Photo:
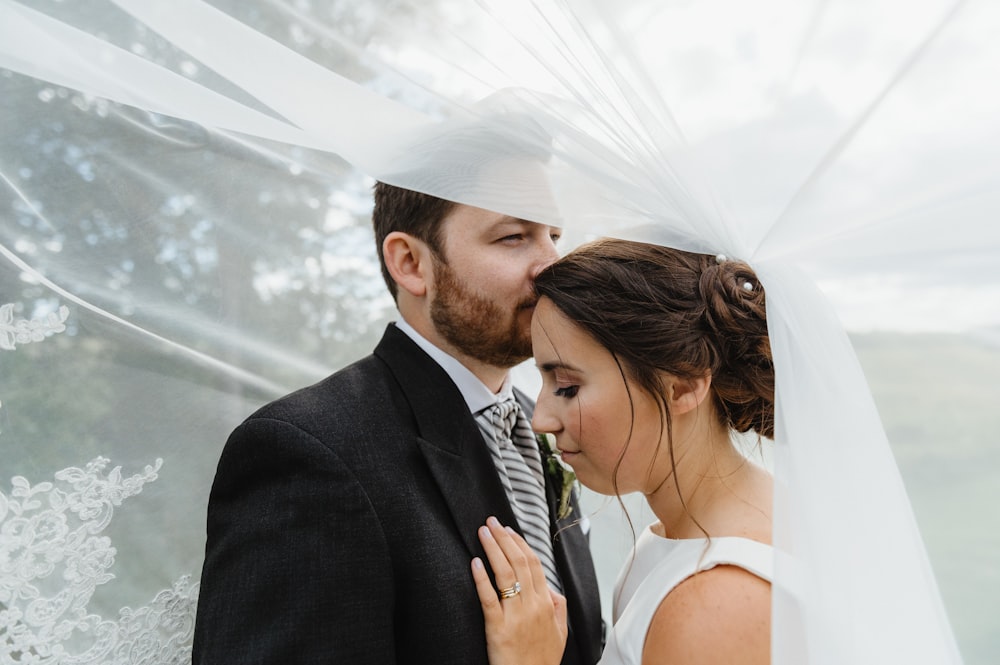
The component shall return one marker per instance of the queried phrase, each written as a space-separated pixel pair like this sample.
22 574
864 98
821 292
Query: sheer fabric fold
189 181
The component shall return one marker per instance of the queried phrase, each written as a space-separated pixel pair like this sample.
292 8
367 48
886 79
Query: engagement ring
511 591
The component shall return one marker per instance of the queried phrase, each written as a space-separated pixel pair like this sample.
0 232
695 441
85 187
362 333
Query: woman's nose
543 421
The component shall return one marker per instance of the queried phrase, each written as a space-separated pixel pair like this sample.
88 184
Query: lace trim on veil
53 557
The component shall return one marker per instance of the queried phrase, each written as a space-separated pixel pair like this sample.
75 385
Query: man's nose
547 255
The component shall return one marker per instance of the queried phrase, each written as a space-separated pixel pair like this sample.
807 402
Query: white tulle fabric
761 130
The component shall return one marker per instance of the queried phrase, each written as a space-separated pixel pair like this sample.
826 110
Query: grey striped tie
515 455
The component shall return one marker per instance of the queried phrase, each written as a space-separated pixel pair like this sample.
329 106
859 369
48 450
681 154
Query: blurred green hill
939 399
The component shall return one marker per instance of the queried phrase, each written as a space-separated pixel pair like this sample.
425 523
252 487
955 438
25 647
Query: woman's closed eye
566 391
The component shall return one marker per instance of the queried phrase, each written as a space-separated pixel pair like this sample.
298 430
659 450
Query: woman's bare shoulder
721 615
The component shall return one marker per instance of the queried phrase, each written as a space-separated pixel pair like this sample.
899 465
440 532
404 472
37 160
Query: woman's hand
527 626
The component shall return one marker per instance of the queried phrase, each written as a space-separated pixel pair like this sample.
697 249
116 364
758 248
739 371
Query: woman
652 358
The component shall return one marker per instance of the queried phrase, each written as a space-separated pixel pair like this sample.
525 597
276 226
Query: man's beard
478 327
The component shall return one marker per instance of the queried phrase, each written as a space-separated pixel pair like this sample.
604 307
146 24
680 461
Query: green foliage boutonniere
561 475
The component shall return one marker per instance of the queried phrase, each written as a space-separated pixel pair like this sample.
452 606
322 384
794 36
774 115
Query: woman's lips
567 455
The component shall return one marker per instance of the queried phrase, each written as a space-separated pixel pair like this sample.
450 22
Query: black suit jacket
343 520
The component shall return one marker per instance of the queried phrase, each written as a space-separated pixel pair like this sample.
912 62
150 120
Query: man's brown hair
419 215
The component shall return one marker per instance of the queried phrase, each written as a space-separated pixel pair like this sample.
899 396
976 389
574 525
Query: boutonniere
561 475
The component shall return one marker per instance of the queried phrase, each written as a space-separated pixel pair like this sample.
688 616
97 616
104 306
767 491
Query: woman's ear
408 261
687 394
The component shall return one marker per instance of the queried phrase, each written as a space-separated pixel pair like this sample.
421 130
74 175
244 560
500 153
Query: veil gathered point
185 190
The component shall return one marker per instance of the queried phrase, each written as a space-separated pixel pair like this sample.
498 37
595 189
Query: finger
559 602
517 558
488 599
535 571
502 570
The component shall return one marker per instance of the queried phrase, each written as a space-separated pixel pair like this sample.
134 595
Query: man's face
482 297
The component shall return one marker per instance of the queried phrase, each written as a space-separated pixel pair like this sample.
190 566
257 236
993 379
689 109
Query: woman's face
584 402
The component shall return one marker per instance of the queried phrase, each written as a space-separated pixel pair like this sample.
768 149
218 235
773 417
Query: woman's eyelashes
566 391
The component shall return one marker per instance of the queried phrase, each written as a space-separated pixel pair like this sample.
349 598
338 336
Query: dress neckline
649 529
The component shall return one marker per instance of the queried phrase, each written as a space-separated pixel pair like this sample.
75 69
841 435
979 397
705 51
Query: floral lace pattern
24 331
52 559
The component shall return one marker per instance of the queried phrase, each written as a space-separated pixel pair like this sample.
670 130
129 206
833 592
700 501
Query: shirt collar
477 395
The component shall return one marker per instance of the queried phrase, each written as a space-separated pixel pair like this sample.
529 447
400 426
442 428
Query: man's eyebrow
508 219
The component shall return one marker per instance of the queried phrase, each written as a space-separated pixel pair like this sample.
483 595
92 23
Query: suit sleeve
296 566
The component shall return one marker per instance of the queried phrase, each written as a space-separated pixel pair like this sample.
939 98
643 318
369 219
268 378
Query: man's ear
408 261
687 394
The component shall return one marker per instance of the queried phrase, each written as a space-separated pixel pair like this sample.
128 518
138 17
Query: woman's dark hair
660 310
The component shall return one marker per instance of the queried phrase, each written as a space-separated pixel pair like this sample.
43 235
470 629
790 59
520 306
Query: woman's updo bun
736 320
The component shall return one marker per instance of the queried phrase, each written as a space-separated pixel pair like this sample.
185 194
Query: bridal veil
184 188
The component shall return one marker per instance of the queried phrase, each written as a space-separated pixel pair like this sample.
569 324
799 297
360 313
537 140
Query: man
343 517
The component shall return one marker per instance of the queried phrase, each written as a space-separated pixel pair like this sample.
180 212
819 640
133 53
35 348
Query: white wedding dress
184 193
657 565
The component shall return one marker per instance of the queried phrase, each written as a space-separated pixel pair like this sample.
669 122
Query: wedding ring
511 591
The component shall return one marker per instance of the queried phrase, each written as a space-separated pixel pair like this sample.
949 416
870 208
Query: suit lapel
448 438
460 463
